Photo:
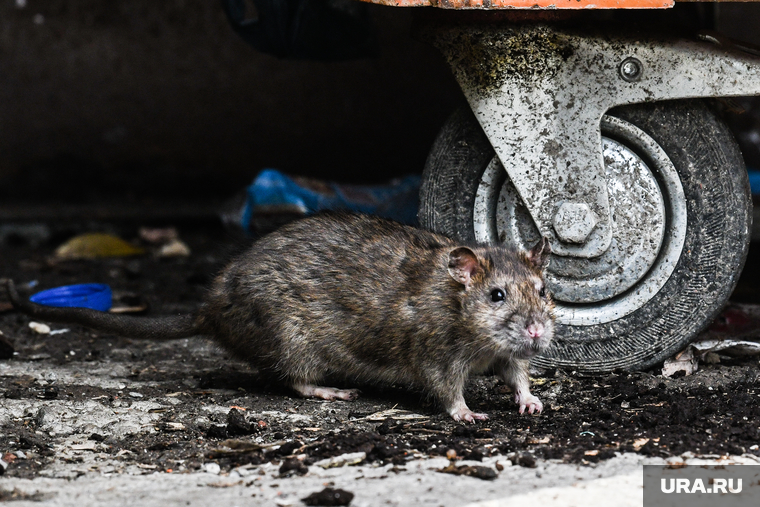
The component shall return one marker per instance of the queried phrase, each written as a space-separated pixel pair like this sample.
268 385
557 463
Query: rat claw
326 393
531 403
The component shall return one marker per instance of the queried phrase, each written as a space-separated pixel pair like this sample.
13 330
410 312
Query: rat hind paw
326 393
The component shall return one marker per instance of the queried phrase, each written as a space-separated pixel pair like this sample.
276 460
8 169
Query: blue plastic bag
273 191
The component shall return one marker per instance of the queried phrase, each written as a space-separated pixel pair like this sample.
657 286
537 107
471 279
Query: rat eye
542 292
497 295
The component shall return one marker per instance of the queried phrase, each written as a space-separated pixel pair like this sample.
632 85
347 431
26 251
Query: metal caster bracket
540 92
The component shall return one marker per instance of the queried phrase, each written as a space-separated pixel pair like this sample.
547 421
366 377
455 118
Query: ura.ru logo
716 485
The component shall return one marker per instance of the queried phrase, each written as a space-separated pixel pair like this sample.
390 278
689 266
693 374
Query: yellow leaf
96 245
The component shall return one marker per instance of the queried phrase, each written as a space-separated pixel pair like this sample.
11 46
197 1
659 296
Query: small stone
237 425
40 328
329 496
212 468
175 248
293 466
526 460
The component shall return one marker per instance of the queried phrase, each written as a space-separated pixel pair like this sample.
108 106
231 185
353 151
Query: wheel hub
648 212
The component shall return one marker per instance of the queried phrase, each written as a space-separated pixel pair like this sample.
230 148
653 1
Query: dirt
115 404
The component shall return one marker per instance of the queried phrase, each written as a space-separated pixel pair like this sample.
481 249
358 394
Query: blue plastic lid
96 296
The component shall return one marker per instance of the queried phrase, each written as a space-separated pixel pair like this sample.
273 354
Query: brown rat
366 300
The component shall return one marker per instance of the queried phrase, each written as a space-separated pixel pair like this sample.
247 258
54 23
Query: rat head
504 297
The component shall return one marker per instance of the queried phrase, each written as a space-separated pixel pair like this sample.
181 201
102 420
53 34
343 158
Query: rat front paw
529 402
465 414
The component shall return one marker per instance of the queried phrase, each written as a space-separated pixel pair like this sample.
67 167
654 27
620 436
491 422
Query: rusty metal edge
531 4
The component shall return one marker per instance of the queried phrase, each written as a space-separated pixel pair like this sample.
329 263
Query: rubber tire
719 215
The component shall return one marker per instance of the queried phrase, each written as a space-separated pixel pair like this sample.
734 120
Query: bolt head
574 222
630 69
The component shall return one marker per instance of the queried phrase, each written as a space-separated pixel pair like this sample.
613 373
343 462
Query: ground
89 417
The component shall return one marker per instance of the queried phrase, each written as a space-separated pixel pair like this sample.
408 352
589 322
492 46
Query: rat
365 300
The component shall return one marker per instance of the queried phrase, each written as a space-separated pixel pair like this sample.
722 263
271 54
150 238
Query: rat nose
535 330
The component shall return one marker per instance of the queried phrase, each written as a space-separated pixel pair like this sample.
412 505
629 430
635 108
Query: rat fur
364 299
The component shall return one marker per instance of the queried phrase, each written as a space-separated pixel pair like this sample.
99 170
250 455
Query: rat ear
463 265
539 254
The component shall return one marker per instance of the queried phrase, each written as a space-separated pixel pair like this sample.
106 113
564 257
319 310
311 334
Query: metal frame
540 92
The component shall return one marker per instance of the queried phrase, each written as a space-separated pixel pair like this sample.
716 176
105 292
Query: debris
727 345
127 302
524 459
242 446
94 246
224 484
217 431
171 426
353 458
237 425
96 296
50 393
392 413
87 446
735 332
3 466
158 235
286 501
40 328
480 472
212 468
59 331
168 240
293 466
272 192
17 494
639 443
175 248
684 361
329 496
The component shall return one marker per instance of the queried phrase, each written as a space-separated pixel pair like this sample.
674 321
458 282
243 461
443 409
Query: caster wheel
681 215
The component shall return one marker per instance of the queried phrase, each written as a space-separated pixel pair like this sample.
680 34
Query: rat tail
156 328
